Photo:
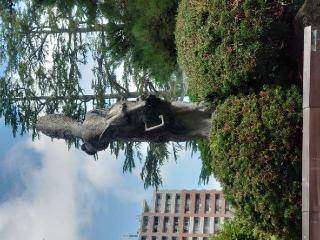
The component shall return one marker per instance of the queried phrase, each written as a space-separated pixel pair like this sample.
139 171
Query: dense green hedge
240 229
255 150
226 47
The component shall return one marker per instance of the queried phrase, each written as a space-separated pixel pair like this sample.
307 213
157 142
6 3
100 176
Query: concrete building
183 215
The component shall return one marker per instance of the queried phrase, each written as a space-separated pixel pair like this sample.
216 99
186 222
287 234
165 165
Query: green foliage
44 44
255 148
206 170
141 32
20 116
89 8
234 48
157 153
153 37
31 85
239 229
227 47
7 5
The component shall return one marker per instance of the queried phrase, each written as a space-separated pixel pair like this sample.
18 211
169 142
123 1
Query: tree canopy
44 46
45 43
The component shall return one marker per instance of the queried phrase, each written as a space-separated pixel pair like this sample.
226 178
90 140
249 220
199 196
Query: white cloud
61 194
61 190
46 209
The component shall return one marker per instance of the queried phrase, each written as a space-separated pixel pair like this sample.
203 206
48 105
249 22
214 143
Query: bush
226 47
255 148
239 229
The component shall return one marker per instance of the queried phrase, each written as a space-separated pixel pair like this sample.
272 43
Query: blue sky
50 192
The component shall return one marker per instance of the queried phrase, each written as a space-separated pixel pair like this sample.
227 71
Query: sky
48 192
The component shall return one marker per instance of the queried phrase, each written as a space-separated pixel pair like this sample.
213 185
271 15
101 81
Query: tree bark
81 97
49 30
145 120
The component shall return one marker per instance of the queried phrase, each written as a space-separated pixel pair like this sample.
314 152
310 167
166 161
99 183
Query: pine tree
43 46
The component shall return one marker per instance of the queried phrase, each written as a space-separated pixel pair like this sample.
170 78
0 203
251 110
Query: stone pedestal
311 136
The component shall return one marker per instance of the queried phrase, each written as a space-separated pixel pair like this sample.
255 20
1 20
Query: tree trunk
85 98
146 120
49 30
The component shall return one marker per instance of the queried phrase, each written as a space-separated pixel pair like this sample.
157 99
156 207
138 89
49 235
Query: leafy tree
153 37
43 49
141 34
44 44
20 105
43 53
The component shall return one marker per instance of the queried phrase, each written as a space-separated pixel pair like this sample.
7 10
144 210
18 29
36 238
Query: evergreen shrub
240 229
255 150
227 47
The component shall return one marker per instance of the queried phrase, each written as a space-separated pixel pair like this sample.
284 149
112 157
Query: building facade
184 215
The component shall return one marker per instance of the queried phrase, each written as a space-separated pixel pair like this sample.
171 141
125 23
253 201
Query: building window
177 203
164 238
184 238
143 238
188 203
194 238
207 205
197 203
196 224
155 224
158 203
145 207
186 222
216 224
145 221
168 203
174 238
175 224
205 238
206 225
228 206
165 224
217 203
154 238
